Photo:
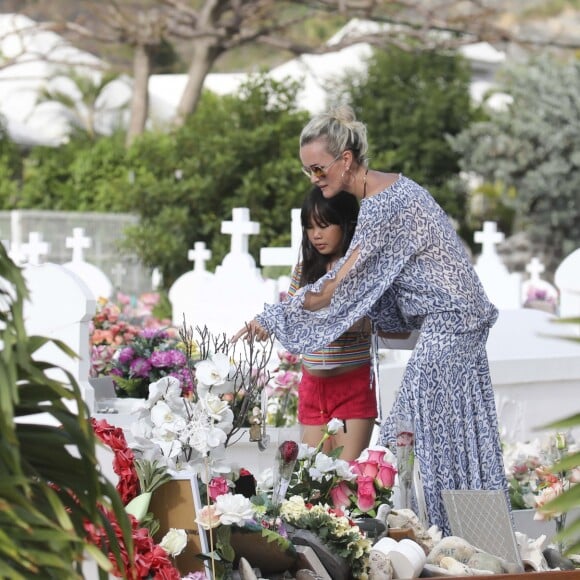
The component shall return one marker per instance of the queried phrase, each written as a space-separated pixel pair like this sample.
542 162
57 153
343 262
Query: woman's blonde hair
341 130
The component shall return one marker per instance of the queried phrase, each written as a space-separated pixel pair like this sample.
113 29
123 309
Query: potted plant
50 486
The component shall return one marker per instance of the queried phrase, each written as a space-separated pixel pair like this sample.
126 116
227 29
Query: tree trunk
140 97
202 62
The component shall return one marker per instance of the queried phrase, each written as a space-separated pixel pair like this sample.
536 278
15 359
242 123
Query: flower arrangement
117 323
534 479
181 433
107 332
375 477
317 474
359 486
337 531
282 390
144 558
151 355
233 507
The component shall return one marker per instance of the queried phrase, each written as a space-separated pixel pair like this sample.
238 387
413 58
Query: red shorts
345 396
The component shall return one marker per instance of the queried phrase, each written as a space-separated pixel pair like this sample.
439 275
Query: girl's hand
252 330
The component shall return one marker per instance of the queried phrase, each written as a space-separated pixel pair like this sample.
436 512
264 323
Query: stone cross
35 248
78 243
488 238
199 255
535 268
240 228
285 256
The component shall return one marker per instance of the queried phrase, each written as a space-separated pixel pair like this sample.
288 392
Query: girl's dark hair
341 210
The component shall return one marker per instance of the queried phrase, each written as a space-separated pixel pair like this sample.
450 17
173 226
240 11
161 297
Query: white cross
240 228
199 256
156 279
35 248
78 243
285 256
535 268
488 238
118 272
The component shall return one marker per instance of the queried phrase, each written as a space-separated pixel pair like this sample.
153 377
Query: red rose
289 451
216 487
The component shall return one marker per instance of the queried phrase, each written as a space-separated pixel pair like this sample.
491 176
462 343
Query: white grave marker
502 288
34 249
225 301
186 292
60 307
285 256
199 256
96 280
567 279
538 293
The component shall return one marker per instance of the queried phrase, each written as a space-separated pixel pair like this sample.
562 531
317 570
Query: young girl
336 380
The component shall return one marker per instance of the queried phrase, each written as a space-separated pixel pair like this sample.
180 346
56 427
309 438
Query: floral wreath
123 461
150 560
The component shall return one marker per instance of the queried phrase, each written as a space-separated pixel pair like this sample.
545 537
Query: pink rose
386 475
366 493
216 487
369 468
355 467
376 455
340 495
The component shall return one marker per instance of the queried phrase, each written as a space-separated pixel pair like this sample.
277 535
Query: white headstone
95 279
187 291
199 256
61 306
285 256
502 288
34 249
535 373
567 279
78 242
225 301
538 293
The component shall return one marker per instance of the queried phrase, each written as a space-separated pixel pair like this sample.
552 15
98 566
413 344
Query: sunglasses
319 171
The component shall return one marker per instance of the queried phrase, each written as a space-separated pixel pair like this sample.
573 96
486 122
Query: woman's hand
252 330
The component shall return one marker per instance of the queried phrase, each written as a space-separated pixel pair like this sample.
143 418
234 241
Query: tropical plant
50 484
413 101
528 151
570 499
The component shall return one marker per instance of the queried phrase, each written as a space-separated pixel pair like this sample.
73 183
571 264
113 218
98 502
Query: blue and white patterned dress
412 272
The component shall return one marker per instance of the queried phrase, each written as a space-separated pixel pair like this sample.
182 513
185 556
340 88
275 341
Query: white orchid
165 388
213 371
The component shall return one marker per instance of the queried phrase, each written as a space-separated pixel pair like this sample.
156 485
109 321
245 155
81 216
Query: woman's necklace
365 183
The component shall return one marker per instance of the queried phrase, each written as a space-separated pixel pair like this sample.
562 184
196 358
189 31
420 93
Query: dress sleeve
386 238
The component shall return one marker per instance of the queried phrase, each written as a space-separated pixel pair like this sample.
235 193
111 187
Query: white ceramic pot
407 559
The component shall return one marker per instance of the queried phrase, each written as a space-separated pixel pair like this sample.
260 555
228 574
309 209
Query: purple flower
161 358
150 333
140 367
126 355
178 358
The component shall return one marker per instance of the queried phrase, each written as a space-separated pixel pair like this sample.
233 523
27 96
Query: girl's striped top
350 349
